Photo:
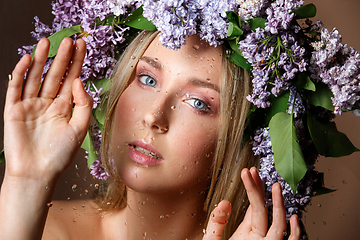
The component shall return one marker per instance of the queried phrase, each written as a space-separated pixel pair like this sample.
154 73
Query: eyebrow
202 83
195 81
151 61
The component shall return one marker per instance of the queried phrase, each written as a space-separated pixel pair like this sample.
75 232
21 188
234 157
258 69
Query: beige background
333 216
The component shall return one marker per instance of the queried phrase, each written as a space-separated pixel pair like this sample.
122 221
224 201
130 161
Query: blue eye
198 104
147 80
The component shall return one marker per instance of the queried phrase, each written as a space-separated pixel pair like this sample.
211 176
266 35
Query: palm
41 133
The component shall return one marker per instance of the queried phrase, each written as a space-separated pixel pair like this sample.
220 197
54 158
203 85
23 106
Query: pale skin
33 167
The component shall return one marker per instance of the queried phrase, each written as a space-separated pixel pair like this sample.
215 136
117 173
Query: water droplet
196 47
74 208
162 216
74 187
10 77
319 205
173 107
49 204
96 185
74 220
132 57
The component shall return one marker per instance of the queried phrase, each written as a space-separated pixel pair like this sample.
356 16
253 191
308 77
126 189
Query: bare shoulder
75 219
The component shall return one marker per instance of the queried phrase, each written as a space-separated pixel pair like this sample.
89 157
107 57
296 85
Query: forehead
196 57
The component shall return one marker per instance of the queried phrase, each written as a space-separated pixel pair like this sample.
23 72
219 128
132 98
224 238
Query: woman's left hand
255 223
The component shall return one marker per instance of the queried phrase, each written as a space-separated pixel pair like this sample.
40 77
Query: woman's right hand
42 135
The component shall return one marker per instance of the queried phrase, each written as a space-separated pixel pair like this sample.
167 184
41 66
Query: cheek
197 143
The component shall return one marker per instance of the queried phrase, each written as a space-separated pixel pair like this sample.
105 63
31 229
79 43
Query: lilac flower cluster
280 15
251 8
118 7
178 19
97 169
275 60
262 146
338 66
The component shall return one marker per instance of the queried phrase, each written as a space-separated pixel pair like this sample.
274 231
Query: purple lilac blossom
178 19
118 7
174 19
260 48
251 8
338 66
280 16
97 169
212 15
262 146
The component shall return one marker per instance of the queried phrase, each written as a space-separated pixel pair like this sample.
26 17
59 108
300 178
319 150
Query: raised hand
255 223
42 135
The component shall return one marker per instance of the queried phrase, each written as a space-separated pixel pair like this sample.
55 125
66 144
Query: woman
167 134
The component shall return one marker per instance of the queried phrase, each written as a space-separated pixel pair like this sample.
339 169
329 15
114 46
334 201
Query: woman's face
166 121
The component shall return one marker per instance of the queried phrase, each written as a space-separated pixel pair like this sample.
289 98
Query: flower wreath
301 73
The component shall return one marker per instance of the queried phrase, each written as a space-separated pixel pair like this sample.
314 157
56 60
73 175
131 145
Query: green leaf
288 157
2 156
321 97
255 23
302 80
104 83
328 141
234 24
240 61
100 112
278 104
88 145
138 21
306 11
57 38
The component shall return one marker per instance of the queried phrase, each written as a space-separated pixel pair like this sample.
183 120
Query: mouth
146 152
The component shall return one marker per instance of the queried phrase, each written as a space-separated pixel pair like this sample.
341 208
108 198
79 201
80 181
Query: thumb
218 220
82 111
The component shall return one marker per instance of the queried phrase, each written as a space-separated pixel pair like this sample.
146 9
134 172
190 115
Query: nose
156 117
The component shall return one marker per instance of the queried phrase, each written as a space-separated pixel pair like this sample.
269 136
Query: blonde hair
230 157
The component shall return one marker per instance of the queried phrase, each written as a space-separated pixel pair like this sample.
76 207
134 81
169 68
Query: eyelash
193 101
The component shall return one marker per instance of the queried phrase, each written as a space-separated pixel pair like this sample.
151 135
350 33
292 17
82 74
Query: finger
294 228
218 220
259 216
255 175
16 79
278 225
82 110
74 69
57 70
33 79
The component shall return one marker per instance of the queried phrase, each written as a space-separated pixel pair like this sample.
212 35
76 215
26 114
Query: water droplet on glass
49 204
319 205
96 185
74 187
196 47
132 57
162 216
68 198
173 107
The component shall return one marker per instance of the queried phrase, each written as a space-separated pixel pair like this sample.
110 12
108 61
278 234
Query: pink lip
141 158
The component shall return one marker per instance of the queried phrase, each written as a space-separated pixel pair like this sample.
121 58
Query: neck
176 215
